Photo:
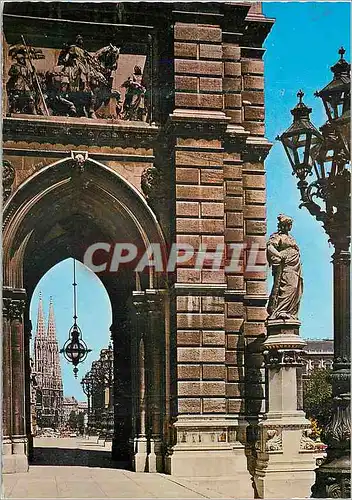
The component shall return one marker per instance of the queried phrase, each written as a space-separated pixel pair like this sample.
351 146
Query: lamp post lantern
325 155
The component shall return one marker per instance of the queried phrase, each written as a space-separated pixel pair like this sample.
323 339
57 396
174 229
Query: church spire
47 367
51 322
40 318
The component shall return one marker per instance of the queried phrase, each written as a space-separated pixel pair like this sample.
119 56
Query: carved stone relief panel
72 81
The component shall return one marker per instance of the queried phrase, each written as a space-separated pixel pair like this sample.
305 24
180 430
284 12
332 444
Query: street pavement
82 468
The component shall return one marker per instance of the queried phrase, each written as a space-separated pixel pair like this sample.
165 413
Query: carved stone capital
154 305
13 308
282 357
8 177
155 185
140 305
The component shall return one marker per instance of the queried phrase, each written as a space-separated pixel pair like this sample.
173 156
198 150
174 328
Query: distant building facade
70 404
47 369
82 407
319 354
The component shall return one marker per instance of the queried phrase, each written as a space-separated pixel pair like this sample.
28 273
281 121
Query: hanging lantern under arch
75 350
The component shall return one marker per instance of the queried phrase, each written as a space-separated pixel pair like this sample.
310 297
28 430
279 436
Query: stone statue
284 257
75 61
81 82
22 87
134 104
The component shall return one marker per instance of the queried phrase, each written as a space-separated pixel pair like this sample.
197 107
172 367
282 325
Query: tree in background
72 420
80 422
317 397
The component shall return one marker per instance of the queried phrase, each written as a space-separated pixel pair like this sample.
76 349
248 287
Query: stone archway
55 214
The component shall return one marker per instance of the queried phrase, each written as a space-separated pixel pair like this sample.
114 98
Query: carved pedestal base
155 457
140 457
286 457
209 447
285 454
14 458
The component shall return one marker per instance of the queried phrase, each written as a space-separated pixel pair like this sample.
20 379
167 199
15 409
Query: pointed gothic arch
89 188
55 214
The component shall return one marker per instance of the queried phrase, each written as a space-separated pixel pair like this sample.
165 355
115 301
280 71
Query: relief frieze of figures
77 86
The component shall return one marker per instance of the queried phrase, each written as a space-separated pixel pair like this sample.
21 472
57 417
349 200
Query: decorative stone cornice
192 123
198 289
256 149
80 131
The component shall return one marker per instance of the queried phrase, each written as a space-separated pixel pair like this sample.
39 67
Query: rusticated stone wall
220 199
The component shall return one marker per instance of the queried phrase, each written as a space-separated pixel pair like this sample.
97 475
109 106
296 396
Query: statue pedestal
286 456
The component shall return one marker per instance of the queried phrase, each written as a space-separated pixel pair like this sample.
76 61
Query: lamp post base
333 479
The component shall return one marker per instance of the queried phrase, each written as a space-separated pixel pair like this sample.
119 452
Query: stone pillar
15 445
140 445
156 379
212 145
204 430
7 381
245 226
120 399
286 456
28 382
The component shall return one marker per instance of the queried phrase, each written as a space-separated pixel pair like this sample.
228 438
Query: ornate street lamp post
325 154
86 384
106 360
97 397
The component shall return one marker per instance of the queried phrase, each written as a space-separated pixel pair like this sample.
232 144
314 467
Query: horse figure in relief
82 81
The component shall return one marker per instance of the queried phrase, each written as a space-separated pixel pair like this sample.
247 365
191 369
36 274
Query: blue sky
94 314
301 47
